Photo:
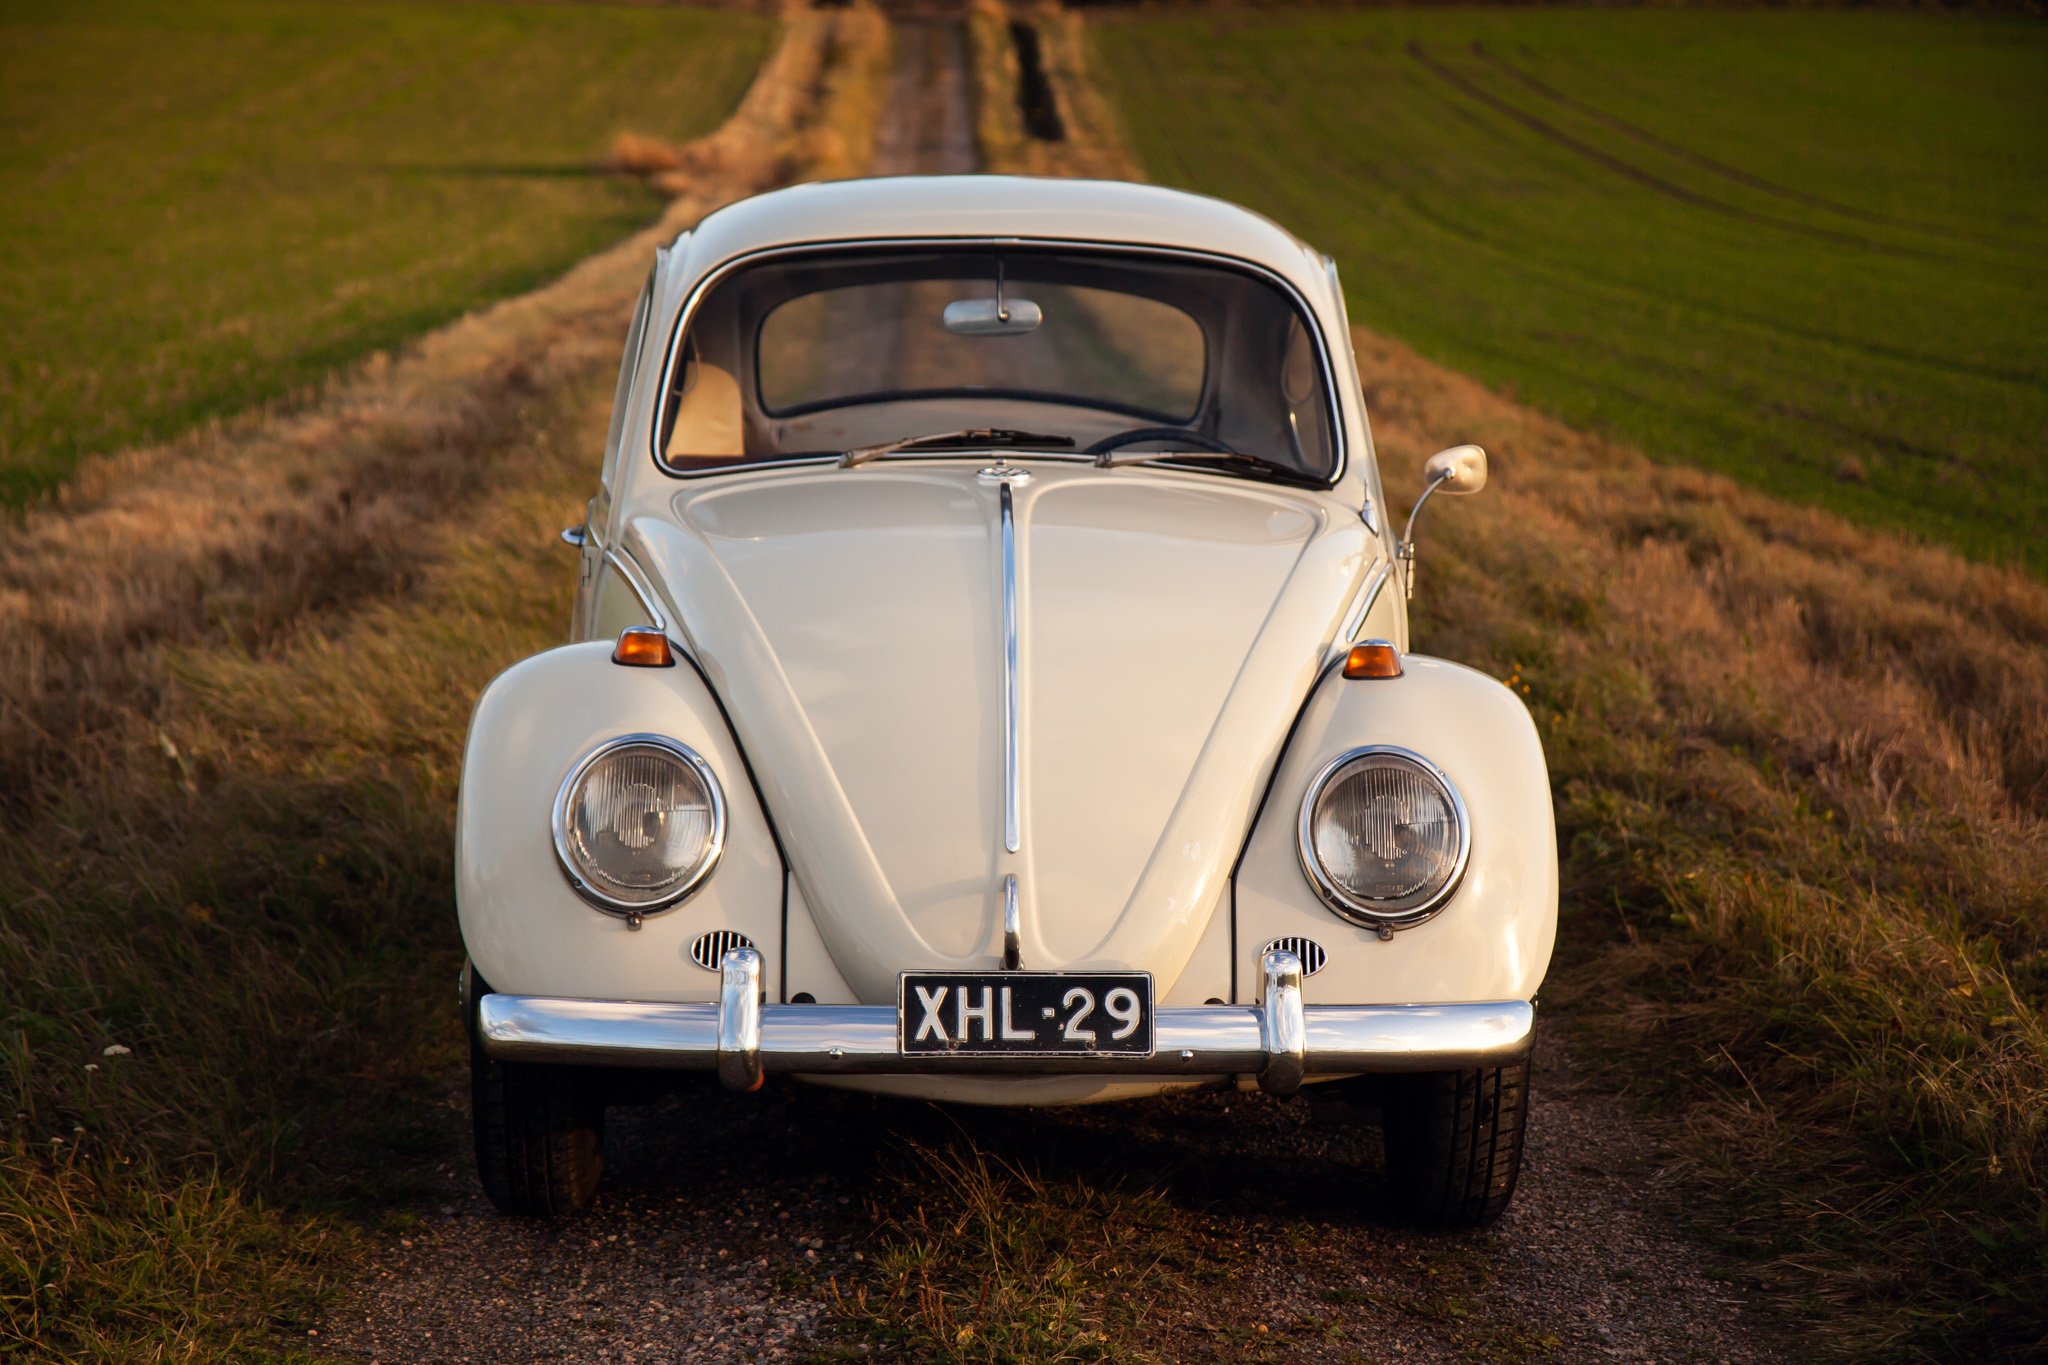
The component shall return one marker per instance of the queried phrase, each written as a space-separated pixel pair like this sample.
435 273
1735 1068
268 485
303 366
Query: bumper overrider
1279 1041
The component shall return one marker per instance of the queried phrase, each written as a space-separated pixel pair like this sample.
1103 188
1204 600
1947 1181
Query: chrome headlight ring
1401 912
668 897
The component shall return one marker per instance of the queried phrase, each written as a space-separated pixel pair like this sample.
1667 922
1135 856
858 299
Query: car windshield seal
1332 405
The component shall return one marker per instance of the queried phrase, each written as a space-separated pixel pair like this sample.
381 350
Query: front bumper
1279 1041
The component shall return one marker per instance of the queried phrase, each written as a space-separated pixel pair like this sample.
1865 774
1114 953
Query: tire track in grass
1736 174
1364 176
1550 132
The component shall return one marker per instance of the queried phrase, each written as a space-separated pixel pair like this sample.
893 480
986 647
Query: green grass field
1803 249
204 205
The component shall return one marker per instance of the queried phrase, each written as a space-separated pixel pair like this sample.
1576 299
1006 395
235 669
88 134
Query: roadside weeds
987 1259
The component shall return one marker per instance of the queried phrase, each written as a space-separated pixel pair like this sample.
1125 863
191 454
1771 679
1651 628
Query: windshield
813 355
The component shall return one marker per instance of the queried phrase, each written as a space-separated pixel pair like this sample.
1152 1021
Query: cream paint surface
1493 938
527 932
874 591
1169 625
1139 602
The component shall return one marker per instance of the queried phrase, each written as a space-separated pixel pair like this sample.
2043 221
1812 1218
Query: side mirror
1459 470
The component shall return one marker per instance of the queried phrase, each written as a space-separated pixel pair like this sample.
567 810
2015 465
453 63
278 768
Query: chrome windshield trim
637 580
1334 395
1013 782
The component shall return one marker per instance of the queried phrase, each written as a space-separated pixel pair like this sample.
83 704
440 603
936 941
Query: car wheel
1454 1143
539 1135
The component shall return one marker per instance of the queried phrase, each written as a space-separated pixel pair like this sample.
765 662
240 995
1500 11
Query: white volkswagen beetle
990 684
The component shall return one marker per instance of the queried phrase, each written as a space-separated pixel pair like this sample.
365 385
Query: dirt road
927 127
727 1228
768 1227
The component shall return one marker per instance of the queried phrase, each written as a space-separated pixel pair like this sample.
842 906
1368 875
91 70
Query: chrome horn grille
1307 949
710 949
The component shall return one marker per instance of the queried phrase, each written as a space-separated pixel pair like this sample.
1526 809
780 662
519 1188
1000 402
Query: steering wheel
1137 434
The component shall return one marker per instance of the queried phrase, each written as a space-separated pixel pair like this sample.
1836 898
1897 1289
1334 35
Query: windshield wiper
971 436
1276 469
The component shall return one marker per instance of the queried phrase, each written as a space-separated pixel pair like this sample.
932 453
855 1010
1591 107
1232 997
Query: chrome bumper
1279 1040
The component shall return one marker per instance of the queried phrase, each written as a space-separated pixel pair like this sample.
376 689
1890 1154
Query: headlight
1383 836
638 824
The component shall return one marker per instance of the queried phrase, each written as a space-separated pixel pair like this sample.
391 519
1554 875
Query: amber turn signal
643 647
1373 659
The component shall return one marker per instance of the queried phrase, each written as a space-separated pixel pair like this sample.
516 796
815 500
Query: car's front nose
1279 1041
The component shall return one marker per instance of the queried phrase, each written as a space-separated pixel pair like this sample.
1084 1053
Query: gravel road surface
724 1224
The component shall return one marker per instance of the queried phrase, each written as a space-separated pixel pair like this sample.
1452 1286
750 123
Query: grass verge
1796 248
1800 785
225 833
208 205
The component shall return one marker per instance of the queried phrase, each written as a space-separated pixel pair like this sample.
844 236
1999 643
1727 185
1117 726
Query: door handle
575 535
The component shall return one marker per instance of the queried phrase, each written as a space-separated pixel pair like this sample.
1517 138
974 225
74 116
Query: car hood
1168 626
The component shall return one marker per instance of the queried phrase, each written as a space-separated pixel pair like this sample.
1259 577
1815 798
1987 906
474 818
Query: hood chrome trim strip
1013 792
1013 926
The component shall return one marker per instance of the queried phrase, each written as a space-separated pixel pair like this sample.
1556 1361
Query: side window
627 365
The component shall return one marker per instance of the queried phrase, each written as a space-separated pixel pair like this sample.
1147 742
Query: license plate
1025 1014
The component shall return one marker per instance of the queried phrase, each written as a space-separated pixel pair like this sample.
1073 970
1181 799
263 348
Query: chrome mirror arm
1405 551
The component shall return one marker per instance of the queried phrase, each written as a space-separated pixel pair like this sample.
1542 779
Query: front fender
526 931
1493 939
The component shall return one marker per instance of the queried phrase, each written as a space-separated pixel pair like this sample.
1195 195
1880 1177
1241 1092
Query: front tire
1454 1143
539 1133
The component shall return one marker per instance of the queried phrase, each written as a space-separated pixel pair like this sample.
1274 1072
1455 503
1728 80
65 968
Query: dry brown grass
234 673
1800 772
641 155
812 115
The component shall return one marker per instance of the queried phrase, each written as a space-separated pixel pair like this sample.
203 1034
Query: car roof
984 207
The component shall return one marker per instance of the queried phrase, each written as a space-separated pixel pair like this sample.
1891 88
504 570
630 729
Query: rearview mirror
1460 469
992 317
